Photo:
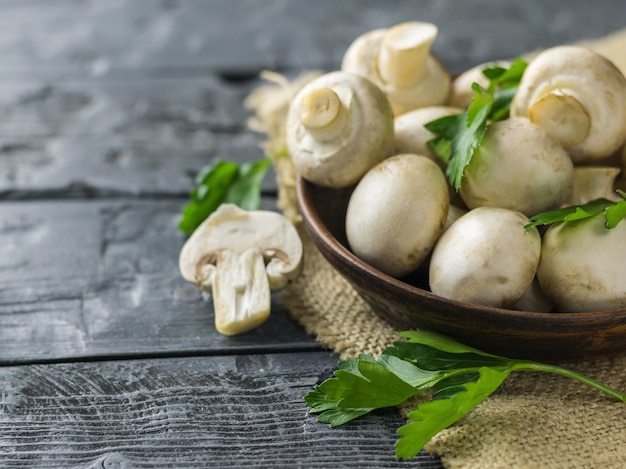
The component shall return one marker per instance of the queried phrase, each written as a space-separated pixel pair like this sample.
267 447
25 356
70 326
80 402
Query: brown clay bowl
406 303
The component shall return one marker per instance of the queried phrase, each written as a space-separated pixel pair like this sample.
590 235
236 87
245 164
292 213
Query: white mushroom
534 299
621 181
461 92
582 265
578 97
518 166
338 127
454 213
240 257
412 137
485 258
397 212
593 182
399 61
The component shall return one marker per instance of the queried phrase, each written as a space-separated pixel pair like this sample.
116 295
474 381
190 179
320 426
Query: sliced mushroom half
240 257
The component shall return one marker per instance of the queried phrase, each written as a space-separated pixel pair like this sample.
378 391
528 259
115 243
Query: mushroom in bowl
407 302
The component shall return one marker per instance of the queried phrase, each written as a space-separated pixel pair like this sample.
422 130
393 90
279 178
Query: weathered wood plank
100 37
147 108
100 278
64 167
231 411
132 137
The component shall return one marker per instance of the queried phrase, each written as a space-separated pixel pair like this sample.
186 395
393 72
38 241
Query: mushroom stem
562 116
241 291
323 114
404 51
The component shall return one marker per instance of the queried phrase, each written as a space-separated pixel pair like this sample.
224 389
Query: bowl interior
407 303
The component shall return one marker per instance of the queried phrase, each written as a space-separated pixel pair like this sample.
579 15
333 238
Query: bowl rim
312 219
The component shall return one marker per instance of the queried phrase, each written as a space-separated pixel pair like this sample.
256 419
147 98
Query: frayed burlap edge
533 420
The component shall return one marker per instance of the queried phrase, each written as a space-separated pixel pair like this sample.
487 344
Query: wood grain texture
100 278
108 110
232 411
99 37
136 136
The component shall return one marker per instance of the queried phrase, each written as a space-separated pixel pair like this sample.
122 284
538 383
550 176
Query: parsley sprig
614 212
459 136
223 182
460 377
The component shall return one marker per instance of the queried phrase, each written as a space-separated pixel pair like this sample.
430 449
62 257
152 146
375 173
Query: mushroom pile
561 144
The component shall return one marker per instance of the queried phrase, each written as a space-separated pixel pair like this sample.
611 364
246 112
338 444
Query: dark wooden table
107 110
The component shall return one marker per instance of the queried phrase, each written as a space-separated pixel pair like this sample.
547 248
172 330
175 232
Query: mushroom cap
570 87
232 229
337 151
593 182
398 60
534 299
485 258
518 166
582 265
397 212
410 135
461 92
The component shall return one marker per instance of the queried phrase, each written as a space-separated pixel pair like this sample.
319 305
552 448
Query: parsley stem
533 366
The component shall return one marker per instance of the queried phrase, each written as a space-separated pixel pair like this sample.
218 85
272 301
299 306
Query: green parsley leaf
458 137
223 182
614 212
502 104
461 377
245 191
503 83
506 77
432 417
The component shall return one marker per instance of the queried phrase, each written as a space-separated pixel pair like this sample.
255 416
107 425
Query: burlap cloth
533 421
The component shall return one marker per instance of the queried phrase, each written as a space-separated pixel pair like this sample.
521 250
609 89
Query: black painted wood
95 38
99 278
108 109
234 411
140 136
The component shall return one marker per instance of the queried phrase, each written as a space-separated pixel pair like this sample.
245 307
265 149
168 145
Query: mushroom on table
240 257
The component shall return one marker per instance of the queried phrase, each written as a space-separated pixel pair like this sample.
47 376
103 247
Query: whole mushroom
397 212
240 257
579 98
338 127
582 265
518 166
399 61
486 258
